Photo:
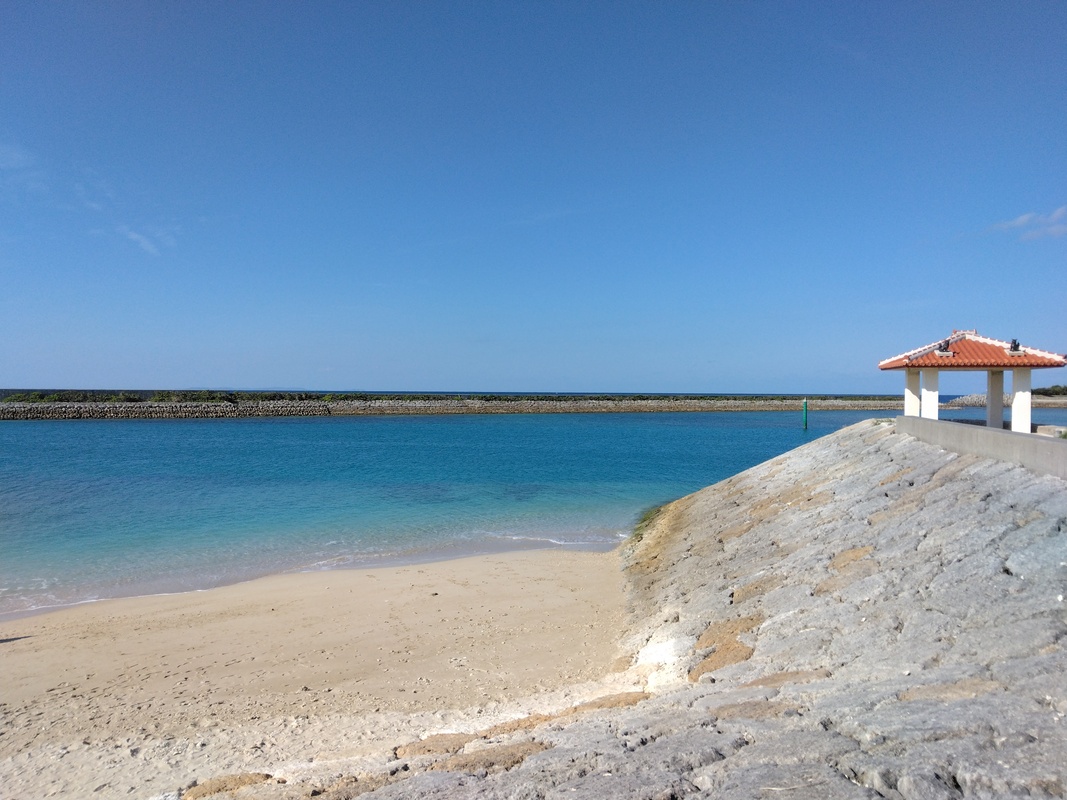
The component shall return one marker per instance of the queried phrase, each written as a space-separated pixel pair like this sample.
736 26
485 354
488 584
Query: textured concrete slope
867 616
876 597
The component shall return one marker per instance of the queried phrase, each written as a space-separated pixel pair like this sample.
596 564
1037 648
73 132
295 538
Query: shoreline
396 561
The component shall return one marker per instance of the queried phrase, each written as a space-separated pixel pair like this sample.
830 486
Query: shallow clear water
92 509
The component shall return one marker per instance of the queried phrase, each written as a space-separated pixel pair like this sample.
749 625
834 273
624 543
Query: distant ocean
92 509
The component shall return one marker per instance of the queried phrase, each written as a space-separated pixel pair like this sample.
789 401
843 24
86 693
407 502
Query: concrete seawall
1045 455
314 408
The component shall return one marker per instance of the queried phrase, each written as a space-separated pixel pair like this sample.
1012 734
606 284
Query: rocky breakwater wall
57 411
866 616
979 401
387 406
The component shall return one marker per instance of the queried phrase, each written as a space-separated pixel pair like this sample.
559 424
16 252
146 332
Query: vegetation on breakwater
648 517
220 396
1052 391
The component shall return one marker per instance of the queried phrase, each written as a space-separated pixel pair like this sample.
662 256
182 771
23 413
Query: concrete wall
1042 454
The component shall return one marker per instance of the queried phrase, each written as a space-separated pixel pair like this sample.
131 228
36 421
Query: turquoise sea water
92 509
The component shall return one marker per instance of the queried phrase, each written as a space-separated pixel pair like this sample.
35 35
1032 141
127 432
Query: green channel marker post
805 413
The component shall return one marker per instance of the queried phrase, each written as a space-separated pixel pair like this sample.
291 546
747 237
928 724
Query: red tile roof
969 351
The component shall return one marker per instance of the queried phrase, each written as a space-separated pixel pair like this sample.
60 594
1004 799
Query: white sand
138 697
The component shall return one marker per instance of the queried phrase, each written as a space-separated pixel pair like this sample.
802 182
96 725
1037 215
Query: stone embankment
317 408
974 401
866 616
978 401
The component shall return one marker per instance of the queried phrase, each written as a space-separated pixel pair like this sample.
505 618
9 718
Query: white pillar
994 399
1020 400
911 393
928 404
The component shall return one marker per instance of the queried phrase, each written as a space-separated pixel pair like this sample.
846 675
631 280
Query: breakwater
979 401
444 405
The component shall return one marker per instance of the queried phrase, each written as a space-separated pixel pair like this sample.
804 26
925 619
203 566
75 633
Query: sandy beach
142 696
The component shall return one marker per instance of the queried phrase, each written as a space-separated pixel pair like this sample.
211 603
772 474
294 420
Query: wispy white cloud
26 184
95 192
1036 226
14 157
20 172
153 239
138 239
165 235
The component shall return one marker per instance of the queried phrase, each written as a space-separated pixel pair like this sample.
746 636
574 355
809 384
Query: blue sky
542 196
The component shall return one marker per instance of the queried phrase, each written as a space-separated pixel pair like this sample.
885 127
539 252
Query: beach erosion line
864 616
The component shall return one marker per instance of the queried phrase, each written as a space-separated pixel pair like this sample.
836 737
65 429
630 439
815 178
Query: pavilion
966 351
